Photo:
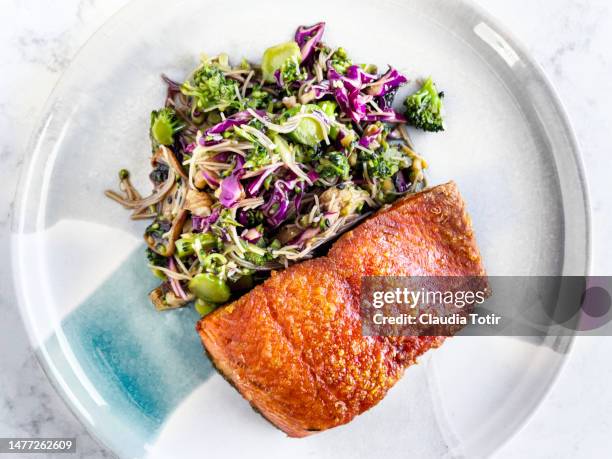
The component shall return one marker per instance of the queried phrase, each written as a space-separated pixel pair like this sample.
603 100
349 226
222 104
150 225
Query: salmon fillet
293 346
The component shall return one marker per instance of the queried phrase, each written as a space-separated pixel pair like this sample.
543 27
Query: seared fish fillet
293 345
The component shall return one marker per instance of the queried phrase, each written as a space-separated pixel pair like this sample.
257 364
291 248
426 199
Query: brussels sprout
309 131
274 58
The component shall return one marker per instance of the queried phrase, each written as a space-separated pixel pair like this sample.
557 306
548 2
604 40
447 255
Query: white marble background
570 38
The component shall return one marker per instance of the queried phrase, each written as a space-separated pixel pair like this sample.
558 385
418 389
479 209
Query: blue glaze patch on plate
141 362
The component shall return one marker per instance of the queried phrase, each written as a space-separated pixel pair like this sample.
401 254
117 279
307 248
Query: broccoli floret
424 108
340 60
158 228
334 165
382 168
307 154
257 157
255 258
211 89
155 258
261 258
383 164
258 98
226 218
291 72
164 124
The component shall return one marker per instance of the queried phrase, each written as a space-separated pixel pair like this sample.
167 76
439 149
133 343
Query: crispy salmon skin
293 345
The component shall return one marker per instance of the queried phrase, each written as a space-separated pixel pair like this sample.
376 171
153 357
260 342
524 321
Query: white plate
138 379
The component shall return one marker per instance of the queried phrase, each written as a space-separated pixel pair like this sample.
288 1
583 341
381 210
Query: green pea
204 307
340 52
208 287
124 174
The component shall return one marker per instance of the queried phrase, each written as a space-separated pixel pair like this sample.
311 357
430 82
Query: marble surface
570 39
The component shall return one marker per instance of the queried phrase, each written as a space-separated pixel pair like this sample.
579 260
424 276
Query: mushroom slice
198 203
163 298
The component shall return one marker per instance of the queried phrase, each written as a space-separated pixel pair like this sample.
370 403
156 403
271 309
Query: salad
256 167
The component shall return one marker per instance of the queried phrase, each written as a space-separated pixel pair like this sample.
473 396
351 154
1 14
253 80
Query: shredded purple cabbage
242 217
252 235
212 181
202 224
358 76
313 176
277 206
278 77
322 89
238 119
286 195
400 181
387 116
255 184
306 236
308 37
222 157
347 91
353 101
208 143
367 140
231 188
392 79
174 88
